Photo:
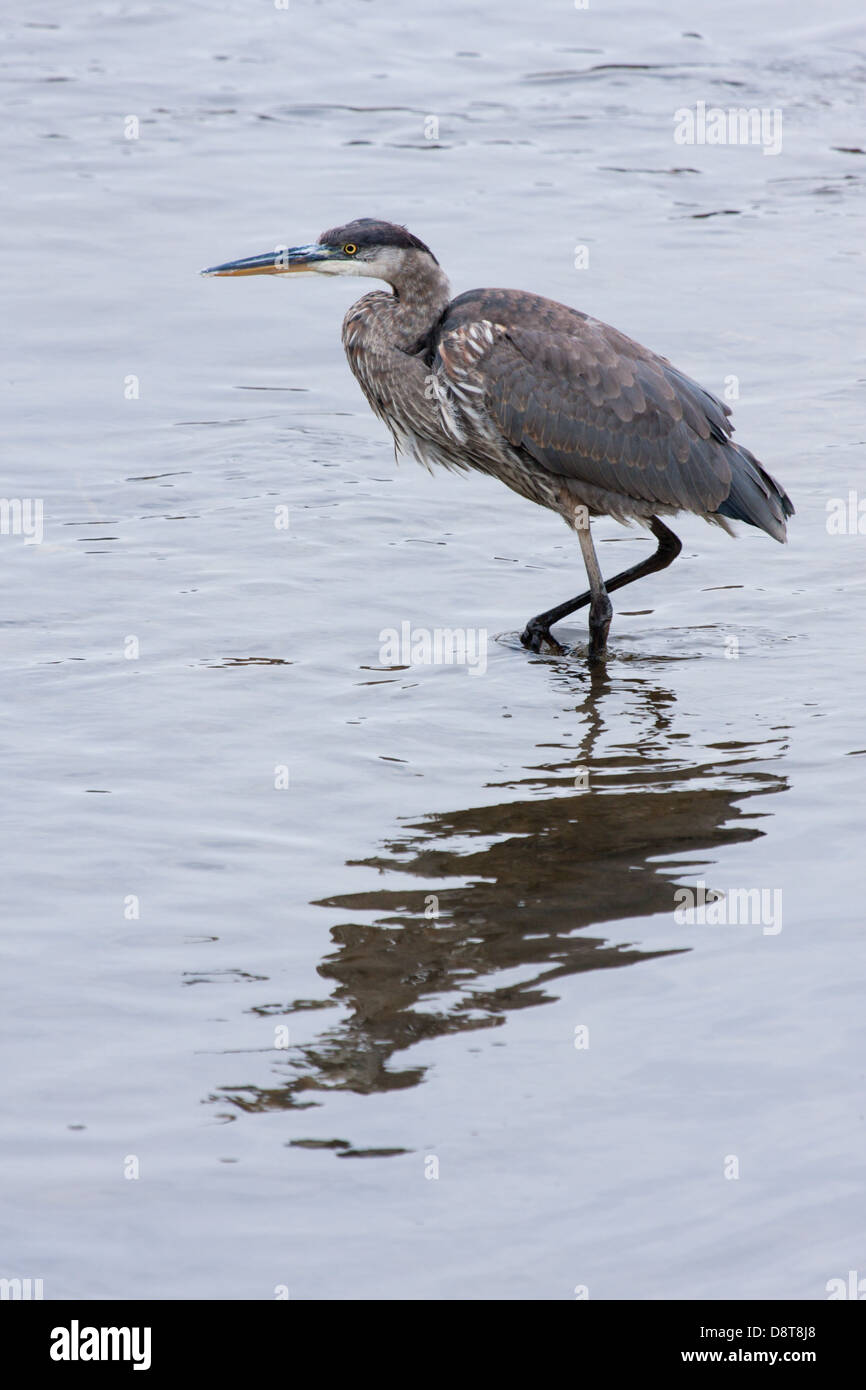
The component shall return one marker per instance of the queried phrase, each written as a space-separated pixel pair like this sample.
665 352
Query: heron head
380 250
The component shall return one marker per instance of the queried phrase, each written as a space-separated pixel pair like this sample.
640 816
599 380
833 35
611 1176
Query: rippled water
173 657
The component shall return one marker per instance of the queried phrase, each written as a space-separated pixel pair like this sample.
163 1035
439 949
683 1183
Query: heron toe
535 637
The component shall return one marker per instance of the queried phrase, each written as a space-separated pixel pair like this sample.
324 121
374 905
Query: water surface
465 874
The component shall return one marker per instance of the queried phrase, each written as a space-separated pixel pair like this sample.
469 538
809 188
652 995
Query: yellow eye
350 248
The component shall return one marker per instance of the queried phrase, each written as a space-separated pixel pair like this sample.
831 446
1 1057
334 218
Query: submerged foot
535 638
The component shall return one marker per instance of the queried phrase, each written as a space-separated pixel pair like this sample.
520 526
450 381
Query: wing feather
587 403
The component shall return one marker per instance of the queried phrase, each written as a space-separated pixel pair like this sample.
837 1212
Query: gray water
172 657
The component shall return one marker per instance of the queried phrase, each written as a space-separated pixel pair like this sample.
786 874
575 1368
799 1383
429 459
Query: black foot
534 637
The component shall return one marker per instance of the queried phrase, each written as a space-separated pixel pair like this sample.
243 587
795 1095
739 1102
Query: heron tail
755 497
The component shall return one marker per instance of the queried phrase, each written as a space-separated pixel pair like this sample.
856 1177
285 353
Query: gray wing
587 403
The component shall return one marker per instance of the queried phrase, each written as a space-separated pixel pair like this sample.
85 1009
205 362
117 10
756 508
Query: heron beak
283 260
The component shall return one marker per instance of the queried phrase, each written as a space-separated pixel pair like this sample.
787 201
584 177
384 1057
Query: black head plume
371 231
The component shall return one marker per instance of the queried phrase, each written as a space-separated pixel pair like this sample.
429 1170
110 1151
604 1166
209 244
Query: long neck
420 293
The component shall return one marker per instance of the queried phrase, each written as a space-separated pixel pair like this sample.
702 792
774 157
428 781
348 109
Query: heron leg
600 607
538 629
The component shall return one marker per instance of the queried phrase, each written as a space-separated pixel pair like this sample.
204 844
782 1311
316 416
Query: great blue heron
564 409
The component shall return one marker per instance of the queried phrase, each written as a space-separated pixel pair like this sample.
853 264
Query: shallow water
169 651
